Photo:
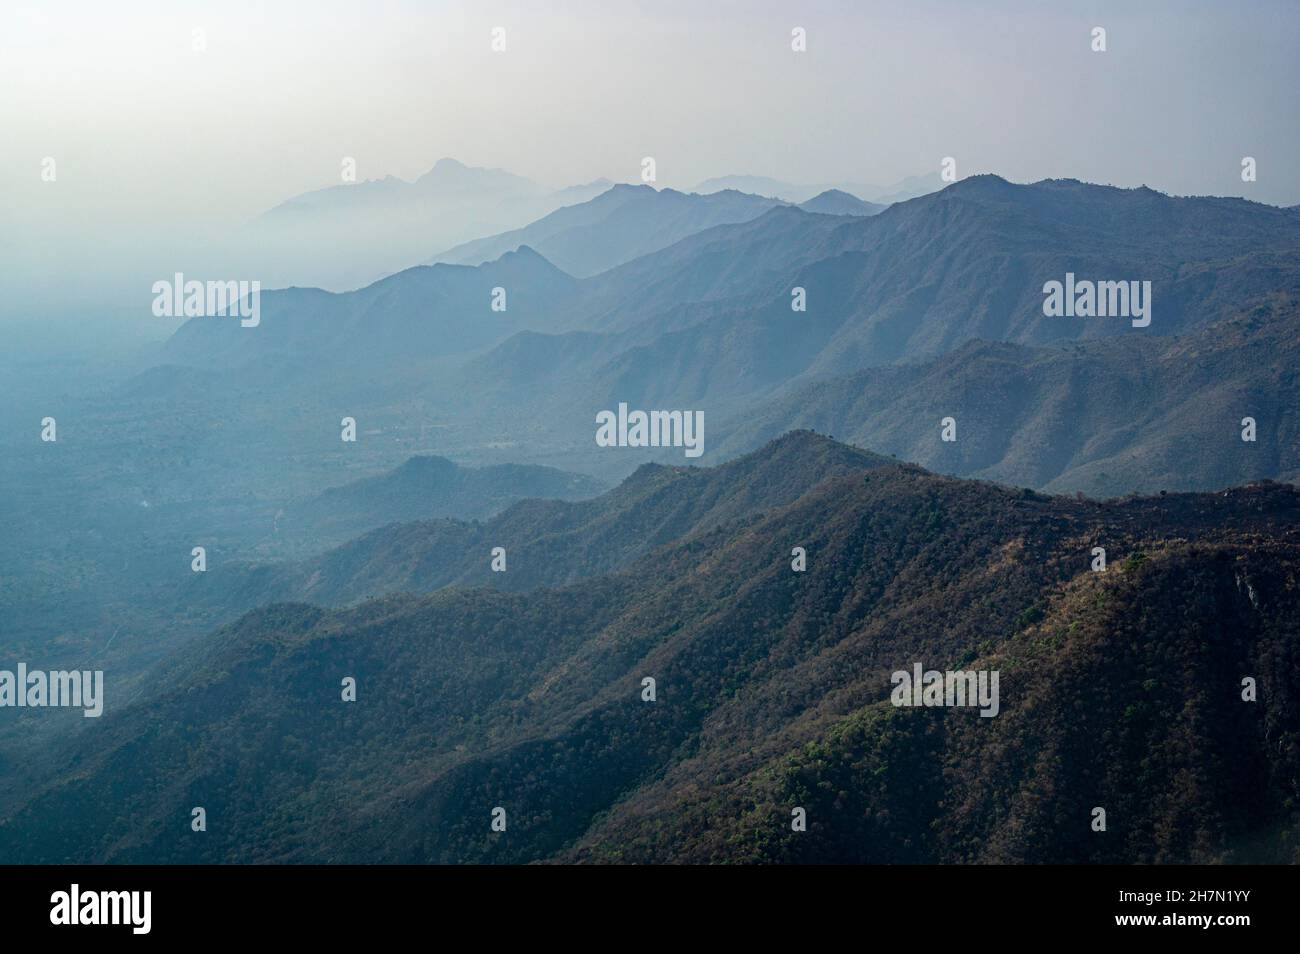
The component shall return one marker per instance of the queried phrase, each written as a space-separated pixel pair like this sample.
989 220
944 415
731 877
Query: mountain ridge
616 226
772 692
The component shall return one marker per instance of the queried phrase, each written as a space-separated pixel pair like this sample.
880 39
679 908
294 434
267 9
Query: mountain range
630 221
427 368
1106 416
1120 689
344 236
907 293
500 645
419 315
616 226
835 202
347 235
893 301
909 188
547 542
426 488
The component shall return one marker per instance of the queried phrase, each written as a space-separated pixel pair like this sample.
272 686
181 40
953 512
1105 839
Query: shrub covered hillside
1120 690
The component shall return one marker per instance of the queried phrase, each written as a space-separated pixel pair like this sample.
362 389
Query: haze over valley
603 420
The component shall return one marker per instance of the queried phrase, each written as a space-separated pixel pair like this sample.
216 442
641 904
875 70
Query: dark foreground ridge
1120 690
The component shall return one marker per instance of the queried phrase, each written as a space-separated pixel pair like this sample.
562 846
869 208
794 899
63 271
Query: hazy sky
156 142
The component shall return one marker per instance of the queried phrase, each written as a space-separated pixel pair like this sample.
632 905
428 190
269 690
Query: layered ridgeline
1208 409
619 225
116 582
915 280
206 449
547 542
835 202
347 235
797 193
707 322
404 322
1120 689
714 316
710 322
424 488
1106 416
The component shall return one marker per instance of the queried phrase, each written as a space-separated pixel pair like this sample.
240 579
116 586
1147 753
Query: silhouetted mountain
911 187
705 323
349 235
615 227
772 692
720 269
835 202
908 188
425 488
97 541
419 315
917 280
548 542
708 322
971 261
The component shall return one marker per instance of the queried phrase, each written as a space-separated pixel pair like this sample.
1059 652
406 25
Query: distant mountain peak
626 221
447 167
527 260
425 463
983 182
453 172
833 193
839 202
734 192
805 445
524 251
802 437
526 254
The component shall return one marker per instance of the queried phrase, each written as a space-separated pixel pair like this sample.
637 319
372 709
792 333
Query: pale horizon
162 148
